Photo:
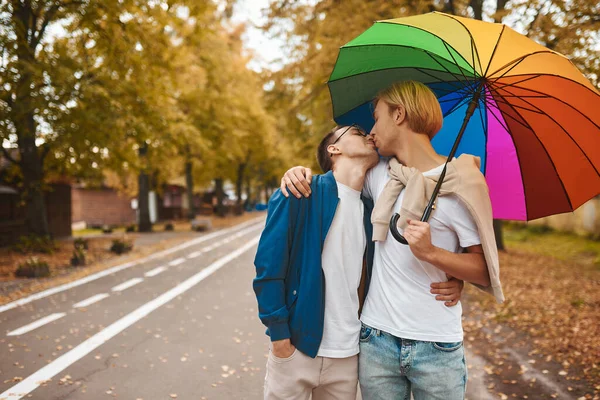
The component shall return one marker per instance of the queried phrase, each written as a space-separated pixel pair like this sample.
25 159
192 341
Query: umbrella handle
394 229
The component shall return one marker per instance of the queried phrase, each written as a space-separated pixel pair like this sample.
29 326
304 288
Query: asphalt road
180 325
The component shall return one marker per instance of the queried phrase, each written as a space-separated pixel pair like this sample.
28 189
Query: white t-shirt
342 259
399 299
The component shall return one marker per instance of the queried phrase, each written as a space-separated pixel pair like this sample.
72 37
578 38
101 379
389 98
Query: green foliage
169 226
130 228
121 246
35 244
561 245
33 268
78 258
80 243
539 229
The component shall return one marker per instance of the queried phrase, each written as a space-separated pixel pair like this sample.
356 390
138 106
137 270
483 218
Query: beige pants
299 376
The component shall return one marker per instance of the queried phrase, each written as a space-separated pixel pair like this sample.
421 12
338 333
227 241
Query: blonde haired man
409 342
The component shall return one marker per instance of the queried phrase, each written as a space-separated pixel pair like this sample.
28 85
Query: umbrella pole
430 206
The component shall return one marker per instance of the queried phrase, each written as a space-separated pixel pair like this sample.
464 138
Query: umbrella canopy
536 126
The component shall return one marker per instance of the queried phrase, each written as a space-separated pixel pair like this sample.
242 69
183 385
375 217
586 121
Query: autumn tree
315 32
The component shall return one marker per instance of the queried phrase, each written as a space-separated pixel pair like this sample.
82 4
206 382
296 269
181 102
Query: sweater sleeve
272 263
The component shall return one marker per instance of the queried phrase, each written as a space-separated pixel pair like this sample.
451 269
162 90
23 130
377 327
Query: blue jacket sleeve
272 263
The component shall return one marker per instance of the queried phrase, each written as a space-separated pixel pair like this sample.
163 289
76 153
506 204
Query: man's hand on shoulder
283 348
297 180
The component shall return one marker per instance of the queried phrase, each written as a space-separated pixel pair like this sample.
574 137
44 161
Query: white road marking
121 267
155 271
36 324
127 284
91 300
177 262
30 383
195 254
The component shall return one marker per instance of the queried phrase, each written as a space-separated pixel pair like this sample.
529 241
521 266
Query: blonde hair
423 111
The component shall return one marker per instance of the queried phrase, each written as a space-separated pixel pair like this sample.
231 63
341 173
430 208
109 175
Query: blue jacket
289 283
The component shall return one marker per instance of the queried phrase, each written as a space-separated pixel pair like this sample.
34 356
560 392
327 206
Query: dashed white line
127 284
195 254
91 300
36 324
30 383
155 271
177 261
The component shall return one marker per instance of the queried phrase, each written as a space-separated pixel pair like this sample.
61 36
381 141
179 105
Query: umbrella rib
439 80
517 61
428 32
520 107
458 105
472 44
503 123
567 133
455 62
494 51
503 85
450 72
525 125
547 154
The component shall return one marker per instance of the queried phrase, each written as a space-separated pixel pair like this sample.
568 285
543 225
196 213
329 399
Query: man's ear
399 114
333 149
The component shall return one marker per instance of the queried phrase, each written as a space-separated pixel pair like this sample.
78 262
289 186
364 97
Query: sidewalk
12 288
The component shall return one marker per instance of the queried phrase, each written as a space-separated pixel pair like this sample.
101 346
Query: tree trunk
22 113
499 235
31 163
189 183
239 183
248 190
477 6
220 197
145 225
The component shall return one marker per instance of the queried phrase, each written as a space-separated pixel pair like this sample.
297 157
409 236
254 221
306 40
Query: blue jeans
390 367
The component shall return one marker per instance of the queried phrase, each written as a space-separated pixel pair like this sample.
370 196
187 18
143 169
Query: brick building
98 207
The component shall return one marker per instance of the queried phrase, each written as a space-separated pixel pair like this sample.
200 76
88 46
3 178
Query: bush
120 246
80 243
33 268
78 258
35 244
169 226
130 228
539 229
107 229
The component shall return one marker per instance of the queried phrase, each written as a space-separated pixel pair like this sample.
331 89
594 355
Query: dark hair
323 156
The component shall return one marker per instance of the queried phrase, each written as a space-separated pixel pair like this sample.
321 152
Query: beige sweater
465 181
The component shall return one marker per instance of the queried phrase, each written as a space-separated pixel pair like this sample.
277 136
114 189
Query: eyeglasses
360 130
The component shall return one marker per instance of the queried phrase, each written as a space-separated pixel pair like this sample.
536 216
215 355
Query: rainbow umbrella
535 118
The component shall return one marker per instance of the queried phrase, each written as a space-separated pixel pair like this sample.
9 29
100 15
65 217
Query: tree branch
45 151
48 17
533 21
7 155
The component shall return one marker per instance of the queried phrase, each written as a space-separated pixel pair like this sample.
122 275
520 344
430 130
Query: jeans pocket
365 333
447 347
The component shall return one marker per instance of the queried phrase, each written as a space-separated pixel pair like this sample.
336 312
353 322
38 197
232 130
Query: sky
266 50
